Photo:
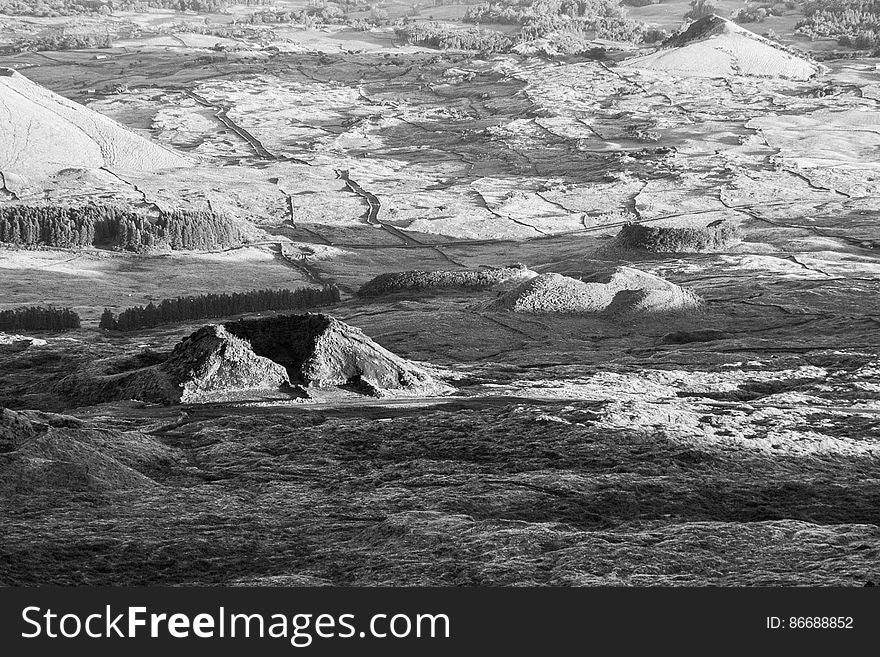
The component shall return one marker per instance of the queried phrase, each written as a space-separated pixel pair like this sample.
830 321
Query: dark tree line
115 227
178 229
37 318
217 305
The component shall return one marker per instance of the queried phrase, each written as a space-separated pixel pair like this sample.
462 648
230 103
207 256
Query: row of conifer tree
205 306
167 311
113 226
38 318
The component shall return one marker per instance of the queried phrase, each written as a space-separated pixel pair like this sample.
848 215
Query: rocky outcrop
211 365
623 290
652 302
276 357
13 342
320 351
213 361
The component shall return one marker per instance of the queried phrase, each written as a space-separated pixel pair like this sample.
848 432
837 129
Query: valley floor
574 450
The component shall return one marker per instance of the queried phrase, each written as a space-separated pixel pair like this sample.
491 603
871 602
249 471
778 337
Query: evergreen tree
218 305
38 318
108 321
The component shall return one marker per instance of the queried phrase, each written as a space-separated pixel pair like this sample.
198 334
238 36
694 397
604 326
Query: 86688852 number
810 623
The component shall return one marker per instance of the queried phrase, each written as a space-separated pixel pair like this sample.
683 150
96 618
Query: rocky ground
732 439
510 493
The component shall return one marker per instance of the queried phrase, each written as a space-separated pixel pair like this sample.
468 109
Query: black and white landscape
536 292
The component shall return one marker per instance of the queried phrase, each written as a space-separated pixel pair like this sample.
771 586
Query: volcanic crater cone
279 356
318 350
213 360
715 47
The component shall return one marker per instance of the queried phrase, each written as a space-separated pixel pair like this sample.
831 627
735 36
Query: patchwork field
638 441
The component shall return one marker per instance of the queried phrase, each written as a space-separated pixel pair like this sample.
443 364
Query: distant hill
716 47
42 132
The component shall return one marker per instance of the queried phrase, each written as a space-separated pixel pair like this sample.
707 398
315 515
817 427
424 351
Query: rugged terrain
731 437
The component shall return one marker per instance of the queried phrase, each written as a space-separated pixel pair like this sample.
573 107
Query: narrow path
221 114
305 266
316 234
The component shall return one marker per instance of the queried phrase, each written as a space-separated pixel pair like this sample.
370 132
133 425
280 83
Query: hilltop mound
555 293
272 357
321 351
468 279
42 132
40 451
212 361
716 47
211 365
668 239
652 302
623 290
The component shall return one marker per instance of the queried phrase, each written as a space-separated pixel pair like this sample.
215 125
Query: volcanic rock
212 360
258 358
652 302
320 351
555 293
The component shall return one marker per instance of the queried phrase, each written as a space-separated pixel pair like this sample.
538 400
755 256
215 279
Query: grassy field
737 443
